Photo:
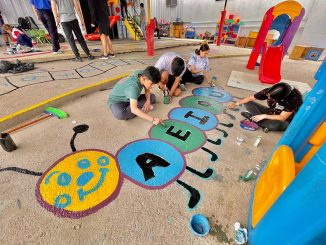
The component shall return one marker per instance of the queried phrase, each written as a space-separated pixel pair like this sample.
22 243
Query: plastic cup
199 225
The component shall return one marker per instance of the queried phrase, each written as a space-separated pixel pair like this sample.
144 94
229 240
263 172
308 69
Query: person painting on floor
65 13
283 102
126 101
198 66
43 11
18 36
172 68
100 16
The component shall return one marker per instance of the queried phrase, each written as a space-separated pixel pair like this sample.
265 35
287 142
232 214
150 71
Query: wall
205 13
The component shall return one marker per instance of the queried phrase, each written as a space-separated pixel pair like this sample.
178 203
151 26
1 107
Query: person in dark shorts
283 102
100 16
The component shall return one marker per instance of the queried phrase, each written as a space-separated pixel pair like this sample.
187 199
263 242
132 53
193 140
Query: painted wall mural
86 180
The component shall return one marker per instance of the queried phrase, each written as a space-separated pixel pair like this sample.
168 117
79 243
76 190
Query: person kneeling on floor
18 36
172 68
126 100
198 66
283 102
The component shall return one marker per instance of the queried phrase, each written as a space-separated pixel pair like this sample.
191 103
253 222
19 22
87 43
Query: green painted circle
169 133
202 102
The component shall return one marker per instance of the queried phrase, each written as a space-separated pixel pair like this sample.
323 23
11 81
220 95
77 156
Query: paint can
199 225
257 141
166 99
7 142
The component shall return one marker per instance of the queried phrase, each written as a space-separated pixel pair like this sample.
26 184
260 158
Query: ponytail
203 47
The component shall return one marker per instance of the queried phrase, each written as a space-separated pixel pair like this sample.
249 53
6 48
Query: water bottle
251 174
241 234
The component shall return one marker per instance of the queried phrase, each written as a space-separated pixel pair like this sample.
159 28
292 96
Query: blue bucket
199 225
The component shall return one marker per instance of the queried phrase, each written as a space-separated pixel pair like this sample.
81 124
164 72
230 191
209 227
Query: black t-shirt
291 103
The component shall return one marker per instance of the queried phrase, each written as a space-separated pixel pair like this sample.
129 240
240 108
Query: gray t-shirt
66 10
165 62
142 16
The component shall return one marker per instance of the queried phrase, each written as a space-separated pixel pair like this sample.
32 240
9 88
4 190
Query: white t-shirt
199 63
165 62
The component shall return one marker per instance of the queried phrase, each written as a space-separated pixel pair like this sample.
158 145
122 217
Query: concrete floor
137 215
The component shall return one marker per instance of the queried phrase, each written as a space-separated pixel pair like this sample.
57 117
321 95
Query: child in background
18 36
198 66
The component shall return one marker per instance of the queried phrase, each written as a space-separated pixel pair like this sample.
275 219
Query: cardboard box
298 51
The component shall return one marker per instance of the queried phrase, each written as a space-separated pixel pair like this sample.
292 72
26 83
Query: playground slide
270 65
136 35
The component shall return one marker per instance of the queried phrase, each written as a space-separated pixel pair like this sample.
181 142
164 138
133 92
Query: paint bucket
166 99
199 225
7 143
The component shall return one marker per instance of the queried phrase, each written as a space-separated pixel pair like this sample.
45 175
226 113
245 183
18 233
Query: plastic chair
41 37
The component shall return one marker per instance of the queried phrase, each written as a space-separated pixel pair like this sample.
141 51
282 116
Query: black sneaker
78 59
246 114
90 57
111 55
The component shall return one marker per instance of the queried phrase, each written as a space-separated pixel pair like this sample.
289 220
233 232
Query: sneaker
111 55
90 57
18 47
78 59
182 87
57 52
246 114
104 57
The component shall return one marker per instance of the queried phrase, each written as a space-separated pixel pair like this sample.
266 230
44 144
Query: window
171 3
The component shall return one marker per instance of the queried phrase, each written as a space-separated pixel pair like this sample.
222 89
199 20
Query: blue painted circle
84 163
84 178
163 175
64 179
201 119
217 94
103 161
58 201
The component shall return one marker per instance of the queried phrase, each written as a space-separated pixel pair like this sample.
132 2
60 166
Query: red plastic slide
270 64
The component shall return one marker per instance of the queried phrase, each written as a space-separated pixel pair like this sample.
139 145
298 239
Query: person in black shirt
283 102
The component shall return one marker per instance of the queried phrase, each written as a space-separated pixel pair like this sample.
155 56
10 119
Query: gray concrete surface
138 215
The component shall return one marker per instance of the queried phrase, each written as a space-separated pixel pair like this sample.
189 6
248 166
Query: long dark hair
203 47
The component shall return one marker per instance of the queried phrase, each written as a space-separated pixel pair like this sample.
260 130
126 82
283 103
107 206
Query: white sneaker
57 52
18 47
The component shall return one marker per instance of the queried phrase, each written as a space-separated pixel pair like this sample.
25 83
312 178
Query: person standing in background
123 6
100 16
142 18
64 12
42 9
3 32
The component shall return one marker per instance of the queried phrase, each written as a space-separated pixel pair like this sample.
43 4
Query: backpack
23 23
31 22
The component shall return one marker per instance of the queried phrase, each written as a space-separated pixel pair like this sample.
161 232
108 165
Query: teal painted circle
84 163
64 179
103 161
183 136
202 102
58 201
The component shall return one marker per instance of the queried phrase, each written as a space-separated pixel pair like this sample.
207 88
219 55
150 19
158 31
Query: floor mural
95 68
86 180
